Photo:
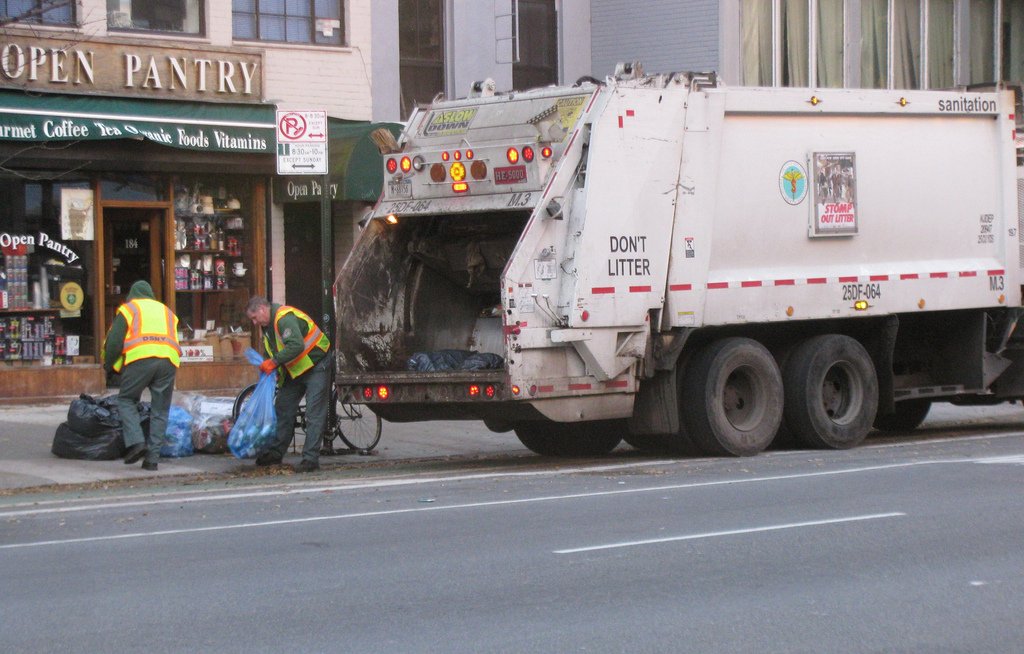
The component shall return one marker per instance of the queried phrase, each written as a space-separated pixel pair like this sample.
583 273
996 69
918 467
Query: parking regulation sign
301 142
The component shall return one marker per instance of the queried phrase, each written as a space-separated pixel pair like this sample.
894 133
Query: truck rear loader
690 267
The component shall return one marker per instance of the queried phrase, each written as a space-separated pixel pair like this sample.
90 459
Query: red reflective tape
816 280
545 389
718 284
680 287
622 383
630 113
750 284
996 272
579 387
592 99
938 275
639 289
602 290
879 278
847 280
968 273
909 276
508 329
785 282
620 122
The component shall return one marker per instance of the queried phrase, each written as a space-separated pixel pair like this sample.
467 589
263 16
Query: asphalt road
898 546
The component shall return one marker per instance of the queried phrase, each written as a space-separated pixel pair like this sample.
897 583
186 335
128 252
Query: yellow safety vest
152 333
314 338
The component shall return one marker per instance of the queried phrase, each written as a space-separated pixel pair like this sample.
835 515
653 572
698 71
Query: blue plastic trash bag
256 426
178 438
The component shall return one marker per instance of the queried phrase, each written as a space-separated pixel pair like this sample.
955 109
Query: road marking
730 532
1017 459
427 480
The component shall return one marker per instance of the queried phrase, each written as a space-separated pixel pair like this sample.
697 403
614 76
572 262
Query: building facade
914 44
137 141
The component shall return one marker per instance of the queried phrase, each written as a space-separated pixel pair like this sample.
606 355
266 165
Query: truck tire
908 416
831 392
732 398
571 439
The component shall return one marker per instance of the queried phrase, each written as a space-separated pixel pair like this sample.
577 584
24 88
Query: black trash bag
437 361
90 416
483 361
87 415
102 445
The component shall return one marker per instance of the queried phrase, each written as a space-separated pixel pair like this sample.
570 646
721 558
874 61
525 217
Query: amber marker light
460 187
545 152
457 171
391 219
516 390
474 390
815 101
383 392
512 155
406 164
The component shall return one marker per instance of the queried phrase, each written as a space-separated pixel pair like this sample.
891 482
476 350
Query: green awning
204 126
355 164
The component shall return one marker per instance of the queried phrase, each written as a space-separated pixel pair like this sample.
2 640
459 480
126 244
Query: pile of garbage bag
453 360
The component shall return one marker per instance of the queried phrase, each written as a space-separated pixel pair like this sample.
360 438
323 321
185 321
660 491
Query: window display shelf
9 311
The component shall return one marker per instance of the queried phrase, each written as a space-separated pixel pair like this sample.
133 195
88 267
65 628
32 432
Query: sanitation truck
689 267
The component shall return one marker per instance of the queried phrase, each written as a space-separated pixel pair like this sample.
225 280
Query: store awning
204 126
356 166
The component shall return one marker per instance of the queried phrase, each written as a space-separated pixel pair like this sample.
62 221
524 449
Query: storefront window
134 188
214 246
37 11
940 44
756 42
46 233
182 16
795 54
906 49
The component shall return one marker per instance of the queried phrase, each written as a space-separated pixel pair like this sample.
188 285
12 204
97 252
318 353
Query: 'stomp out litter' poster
835 194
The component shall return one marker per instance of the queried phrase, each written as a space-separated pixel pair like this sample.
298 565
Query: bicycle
357 427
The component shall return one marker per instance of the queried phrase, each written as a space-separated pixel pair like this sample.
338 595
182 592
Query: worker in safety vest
142 345
297 349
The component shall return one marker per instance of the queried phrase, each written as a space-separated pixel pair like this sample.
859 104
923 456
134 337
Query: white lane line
402 482
731 532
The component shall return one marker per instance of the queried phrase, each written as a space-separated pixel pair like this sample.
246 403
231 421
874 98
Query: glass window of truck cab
45 12
319 22
174 16
897 44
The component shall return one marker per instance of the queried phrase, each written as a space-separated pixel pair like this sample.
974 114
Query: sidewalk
26 434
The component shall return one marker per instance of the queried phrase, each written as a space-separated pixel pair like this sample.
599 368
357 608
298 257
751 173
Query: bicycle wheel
241 400
358 427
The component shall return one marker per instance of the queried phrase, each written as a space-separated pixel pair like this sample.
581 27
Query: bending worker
297 349
142 345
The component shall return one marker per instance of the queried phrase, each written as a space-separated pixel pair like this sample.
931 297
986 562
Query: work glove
268 366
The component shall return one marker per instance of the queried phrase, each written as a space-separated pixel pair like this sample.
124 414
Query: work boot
146 465
134 453
306 466
268 458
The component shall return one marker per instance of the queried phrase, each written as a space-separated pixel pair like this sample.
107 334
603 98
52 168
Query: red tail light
489 391
445 156
392 165
527 154
367 393
458 155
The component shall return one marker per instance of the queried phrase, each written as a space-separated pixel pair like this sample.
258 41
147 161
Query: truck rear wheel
909 415
571 439
831 392
732 398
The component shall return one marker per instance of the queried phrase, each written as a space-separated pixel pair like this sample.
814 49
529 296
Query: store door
133 250
303 268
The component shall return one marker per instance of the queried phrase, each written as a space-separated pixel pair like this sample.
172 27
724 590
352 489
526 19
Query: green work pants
315 384
158 376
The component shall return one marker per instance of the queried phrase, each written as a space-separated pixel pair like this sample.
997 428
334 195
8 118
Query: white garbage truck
689 267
